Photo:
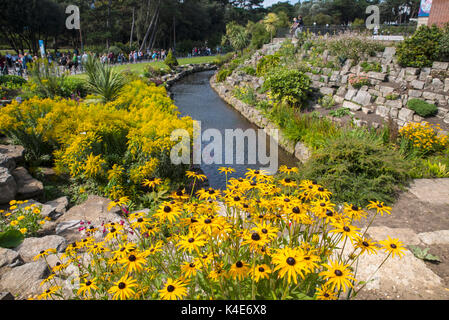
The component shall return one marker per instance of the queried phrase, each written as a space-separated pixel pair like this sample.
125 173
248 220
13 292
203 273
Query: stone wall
389 90
299 150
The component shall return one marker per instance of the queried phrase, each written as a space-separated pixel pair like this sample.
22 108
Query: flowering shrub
291 87
269 239
21 220
424 137
117 145
358 81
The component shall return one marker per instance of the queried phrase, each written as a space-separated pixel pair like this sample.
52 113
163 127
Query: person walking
300 27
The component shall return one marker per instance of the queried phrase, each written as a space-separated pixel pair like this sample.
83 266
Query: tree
23 23
271 22
237 36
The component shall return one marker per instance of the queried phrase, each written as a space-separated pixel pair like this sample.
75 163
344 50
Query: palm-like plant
103 80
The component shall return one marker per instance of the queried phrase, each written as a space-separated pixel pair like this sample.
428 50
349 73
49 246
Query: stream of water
194 97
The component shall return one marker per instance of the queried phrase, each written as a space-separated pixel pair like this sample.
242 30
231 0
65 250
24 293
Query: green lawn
140 67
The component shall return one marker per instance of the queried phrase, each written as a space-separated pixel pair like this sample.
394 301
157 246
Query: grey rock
24 281
377 75
433 191
302 152
406 114
385 90
417 118
411 71
27 186
363 98
351 94
8 186
5 296
394 103
351 106
7 162
415 93
416 84
380 100
366 110
382 111
327 91
59 207
437 84
31 247
435 238
440 65
13 151
394 112
341 91
9 258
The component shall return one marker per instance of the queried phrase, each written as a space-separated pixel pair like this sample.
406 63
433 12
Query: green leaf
11 239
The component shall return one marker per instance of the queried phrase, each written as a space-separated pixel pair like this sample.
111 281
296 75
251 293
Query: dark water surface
194 97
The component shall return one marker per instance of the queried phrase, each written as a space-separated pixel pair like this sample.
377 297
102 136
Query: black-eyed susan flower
87 286
366 245
123 288
325 293
226 170
239 270
255 239
393 247
151 182
289 262
346 230
288 170
189 269
195 176
192 241
354 212
337 276
173 290
118 203
168 211
380 207
49 293
133 262
261 271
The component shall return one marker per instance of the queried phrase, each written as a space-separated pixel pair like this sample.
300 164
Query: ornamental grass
263 237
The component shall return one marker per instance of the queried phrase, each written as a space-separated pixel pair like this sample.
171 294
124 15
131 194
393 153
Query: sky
268 3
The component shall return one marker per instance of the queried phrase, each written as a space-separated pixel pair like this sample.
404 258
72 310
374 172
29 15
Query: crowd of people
73 62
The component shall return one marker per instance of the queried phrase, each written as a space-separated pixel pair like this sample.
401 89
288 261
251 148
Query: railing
397 30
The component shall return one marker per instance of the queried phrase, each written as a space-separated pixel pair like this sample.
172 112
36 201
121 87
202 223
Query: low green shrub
371 66
266 64
288 86
12 79
422 108
421 49
327 101
357 168
171 60
339 113
223 74
249 70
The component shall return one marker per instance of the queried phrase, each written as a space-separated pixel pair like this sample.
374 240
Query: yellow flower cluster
263 237
425 136
22 217
91 141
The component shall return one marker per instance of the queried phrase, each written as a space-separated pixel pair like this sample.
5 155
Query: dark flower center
140 220
207 221
329 213
355 208
113 230
211 191
132 258
192 265
255 236
191 240
326 295
322 204
366 244
287 180
261 269
122 285
286 200
346 229
264 231
393 246
296 210
236 198
256 172
179 193
380 206
167 209
88 283
42 252
338 273
170 288
192 220
58 264
320 189
239 264
291 261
